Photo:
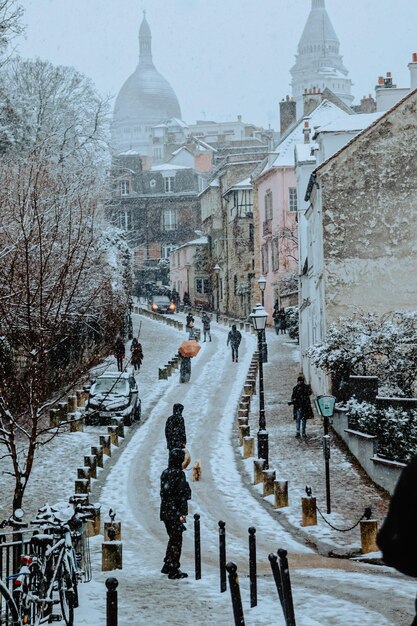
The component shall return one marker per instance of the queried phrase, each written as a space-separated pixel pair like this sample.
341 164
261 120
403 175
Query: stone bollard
54 418
369 529
97 451
93 525
111 556
269 479
281 493
63 410
162 373
247 389
244 431
243 421
71 404
91 462
309 511
114 438
248 447
105 443
82 485
76 422
81 398
258 468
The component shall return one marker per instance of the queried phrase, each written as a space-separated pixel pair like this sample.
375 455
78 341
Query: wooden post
81 398
97 451
247 389
111 556
162 373
269 479
243 411
105 442
62 407
281 493
243 421
114 439
90 461
120 428
309 511
248 447
369 529
168 368
76 422
71 404
258 468
244 431
93 525
54 418
82 486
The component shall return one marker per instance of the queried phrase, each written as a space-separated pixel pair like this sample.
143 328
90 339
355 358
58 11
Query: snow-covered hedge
371 345
395 428
291 315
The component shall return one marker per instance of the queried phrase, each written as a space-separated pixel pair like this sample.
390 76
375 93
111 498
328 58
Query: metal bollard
252 567
111 608
273 559
286 587
197 546
222 555
235 594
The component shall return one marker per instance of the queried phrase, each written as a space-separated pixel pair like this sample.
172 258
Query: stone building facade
361 227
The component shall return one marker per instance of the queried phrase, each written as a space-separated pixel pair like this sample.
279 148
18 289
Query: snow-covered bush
369 345
395 428
291 316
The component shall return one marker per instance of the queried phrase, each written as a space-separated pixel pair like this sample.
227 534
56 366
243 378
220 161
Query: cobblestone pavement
300 461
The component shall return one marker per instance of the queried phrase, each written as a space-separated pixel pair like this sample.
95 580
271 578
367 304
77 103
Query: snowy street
327 592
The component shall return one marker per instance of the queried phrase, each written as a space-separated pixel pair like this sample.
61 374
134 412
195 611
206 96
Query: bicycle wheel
34 607
66 595
8 610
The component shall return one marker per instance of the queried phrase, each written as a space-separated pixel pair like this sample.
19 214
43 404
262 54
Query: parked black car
112 397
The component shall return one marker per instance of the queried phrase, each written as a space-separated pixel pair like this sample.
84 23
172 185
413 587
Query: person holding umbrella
188 349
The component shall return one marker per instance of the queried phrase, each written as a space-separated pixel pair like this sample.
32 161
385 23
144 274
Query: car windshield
105 385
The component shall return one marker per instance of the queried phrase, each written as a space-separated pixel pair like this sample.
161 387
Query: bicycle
9 613
52 567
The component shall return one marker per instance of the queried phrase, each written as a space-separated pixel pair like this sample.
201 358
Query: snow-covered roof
323 114
201 241
215 183
242 184
350 123
168 167
128 152
304 152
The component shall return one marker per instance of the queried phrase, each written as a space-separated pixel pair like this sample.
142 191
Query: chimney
239 118
388 81
381 80
287 113
413 71
306 131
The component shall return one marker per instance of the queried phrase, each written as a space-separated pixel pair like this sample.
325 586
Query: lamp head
262 283
259 317
325 405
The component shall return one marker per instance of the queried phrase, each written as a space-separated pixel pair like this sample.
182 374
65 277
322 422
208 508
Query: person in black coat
175 493
119 352
234 338
300 399
175 428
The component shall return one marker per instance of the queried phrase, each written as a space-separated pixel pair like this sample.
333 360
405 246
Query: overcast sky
222 57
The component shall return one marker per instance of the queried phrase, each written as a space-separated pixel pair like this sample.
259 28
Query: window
292 199
268 205
235 284
265 260
124 187
157 153
169 219
169 184
202 285
125 220
275 254
166 250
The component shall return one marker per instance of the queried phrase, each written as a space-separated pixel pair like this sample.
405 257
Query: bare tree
58 305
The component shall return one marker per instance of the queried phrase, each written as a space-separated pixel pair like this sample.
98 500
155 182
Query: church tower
145 99
318 64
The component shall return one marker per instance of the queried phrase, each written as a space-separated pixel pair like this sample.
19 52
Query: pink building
188 273
276 189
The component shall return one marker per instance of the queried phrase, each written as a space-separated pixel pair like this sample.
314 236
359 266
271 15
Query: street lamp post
325 406
258 318
262 285
217 268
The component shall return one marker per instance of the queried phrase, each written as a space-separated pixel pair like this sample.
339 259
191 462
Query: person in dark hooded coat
175 428
175 493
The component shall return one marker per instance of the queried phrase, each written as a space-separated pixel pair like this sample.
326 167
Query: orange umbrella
189 347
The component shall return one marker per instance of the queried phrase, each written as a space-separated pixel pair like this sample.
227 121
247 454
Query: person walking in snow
206 326
175 428
234 338
189 325
137 354
300 399
175 493
185 366
119 352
